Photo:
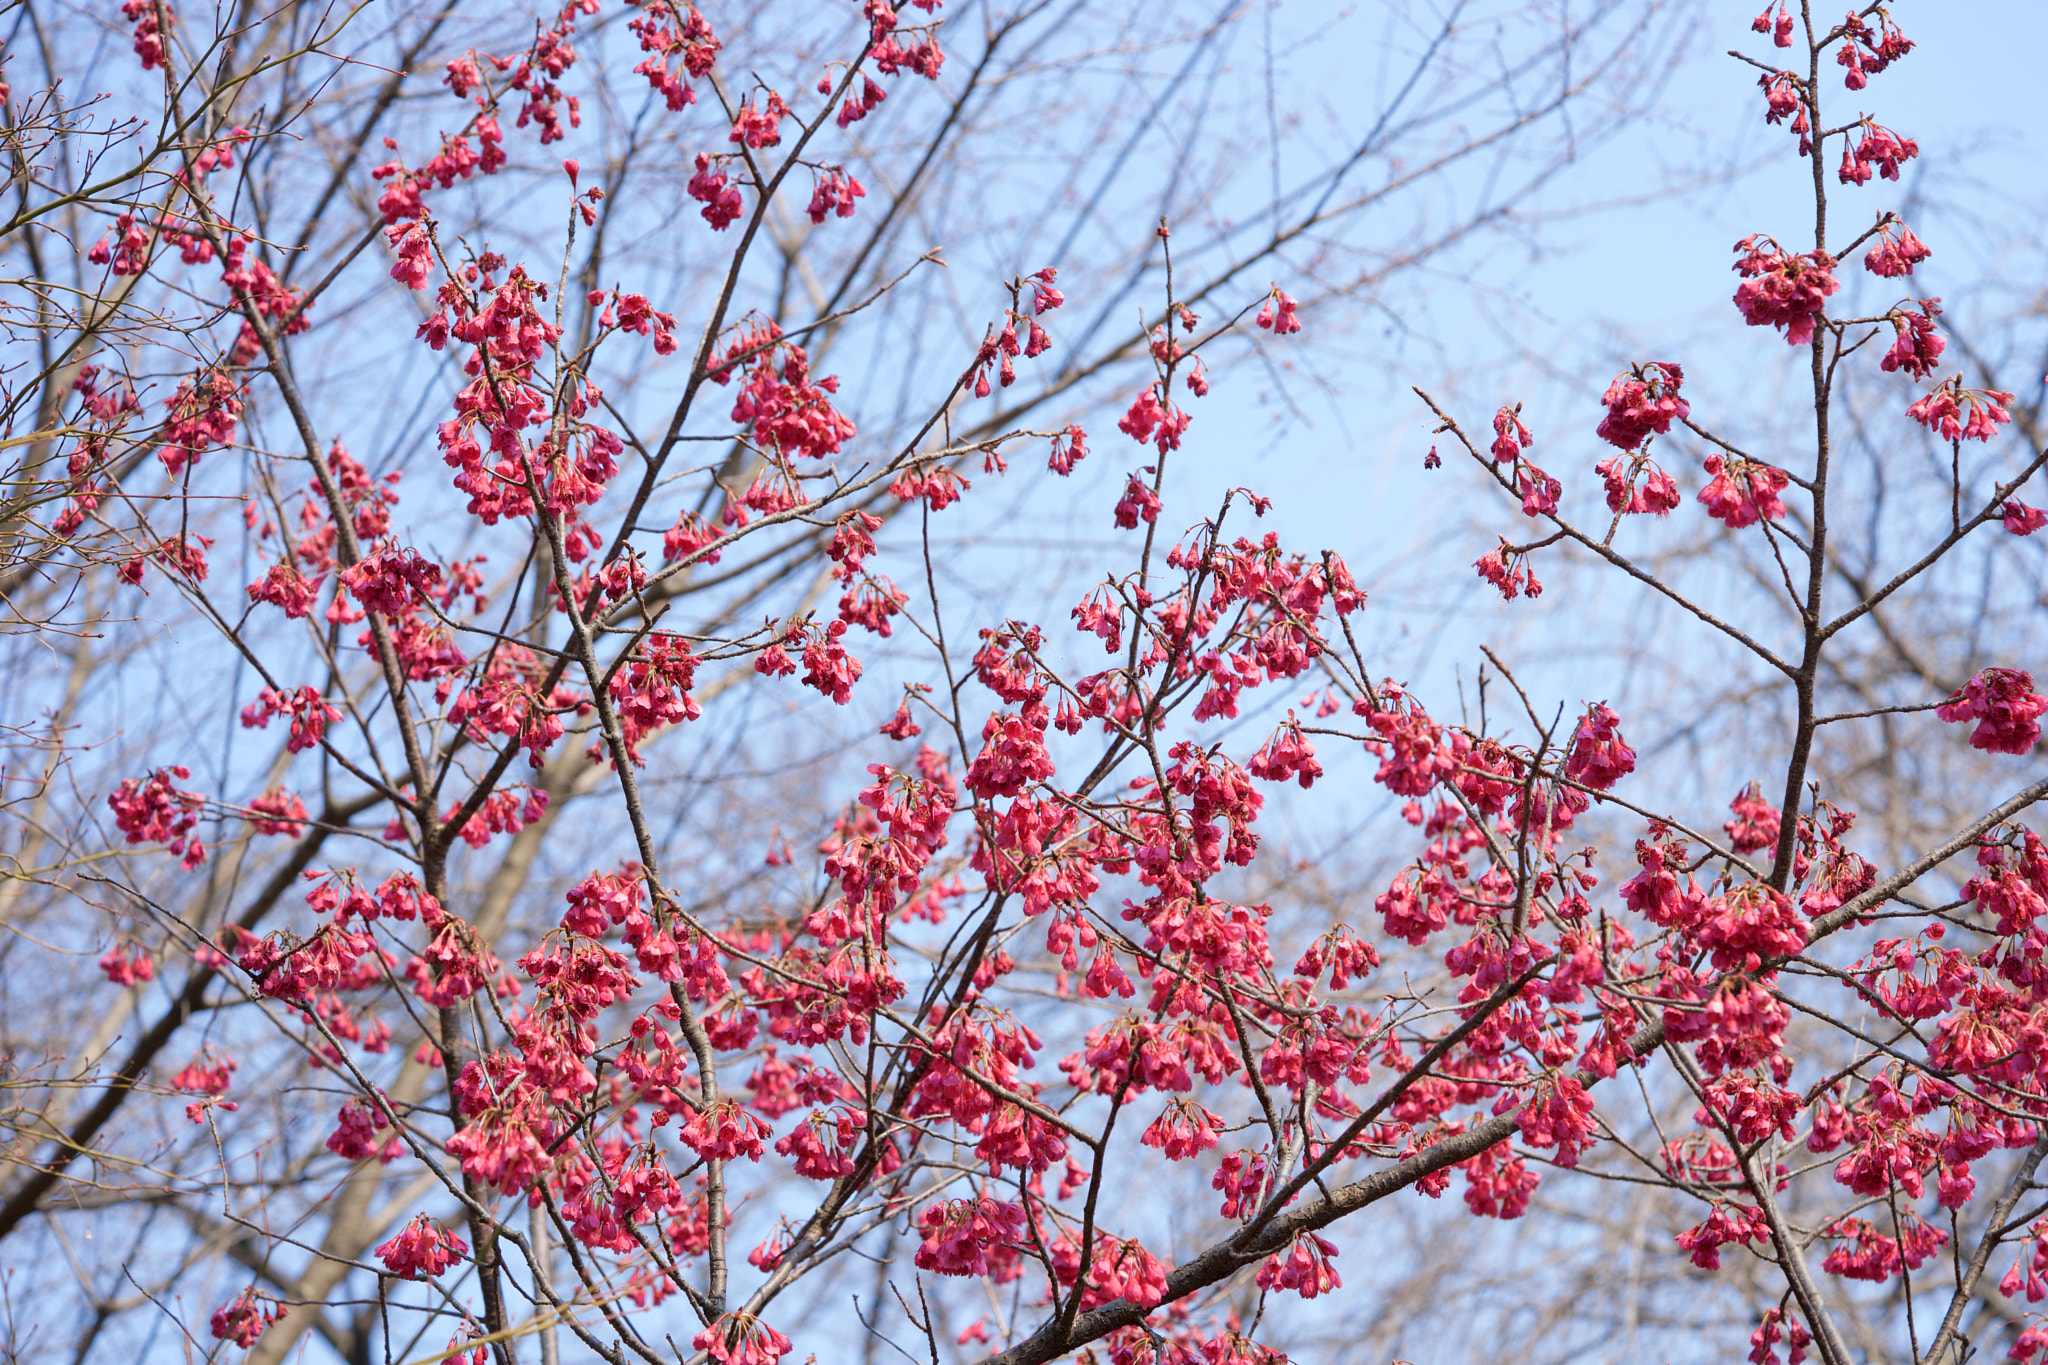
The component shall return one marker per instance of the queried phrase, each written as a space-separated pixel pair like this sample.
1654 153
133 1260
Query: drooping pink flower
1499 1184
285 587
1864 52
760 126
150 18
960 1233
1896 253
1783 289
421 1250
1877 146
1510 437
126 248
1956 413
1539 491
1278 314
210 1073
1642 403
1144 414
1756 823
1345 955
1069 448
1779 28
1751 923
721 201
828 668
1303 1267
1753 1110
742 1339
1728 1224
393 581
128 966
1286 755
1783 98
2003 703
310 715
355 1132
201 416
1125 1269
722 1131
415 263
1600 757
1507 568
151 809
1657 493
668 32
834 193
1775 1328
1917 346
1743 492
1138 503
506 1146
243 1318
1184 1129
1559 1115
1245 1178
2021 519
822 1143
2029 1273
854 110
454 966
1877 1254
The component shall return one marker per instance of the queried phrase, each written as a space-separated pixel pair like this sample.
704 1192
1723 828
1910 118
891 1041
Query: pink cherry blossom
2003 703
1782 289
421 1250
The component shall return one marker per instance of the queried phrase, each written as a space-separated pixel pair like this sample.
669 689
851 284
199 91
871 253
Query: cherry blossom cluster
421 1250
655 1070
